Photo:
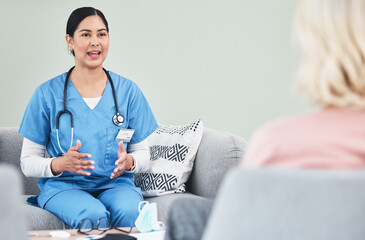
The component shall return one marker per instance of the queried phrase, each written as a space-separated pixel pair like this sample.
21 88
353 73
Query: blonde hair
332 38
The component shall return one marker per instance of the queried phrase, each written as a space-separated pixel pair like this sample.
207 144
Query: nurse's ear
70 41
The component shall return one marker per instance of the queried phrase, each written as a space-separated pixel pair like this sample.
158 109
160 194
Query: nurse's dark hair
80 14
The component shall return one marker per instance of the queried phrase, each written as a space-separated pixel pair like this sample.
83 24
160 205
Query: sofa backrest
218 152
262 204
10 149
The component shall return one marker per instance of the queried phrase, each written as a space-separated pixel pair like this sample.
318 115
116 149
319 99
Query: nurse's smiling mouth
94 54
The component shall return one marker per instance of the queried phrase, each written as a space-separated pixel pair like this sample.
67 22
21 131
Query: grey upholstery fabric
40 219
217 154
269 204
164 203
187 218
10 149
12 217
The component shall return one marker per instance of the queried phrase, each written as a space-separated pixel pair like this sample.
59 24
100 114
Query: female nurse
88 175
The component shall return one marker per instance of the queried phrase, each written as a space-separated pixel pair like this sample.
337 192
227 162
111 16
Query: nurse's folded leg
74 205
122 203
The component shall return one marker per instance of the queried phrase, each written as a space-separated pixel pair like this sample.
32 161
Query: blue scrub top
93 127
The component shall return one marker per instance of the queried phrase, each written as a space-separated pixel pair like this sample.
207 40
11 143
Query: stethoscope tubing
115 118
58 140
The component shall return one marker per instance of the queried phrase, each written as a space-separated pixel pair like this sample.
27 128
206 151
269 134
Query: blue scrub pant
119 204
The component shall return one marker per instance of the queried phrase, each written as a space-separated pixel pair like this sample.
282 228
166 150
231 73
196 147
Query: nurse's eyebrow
87 30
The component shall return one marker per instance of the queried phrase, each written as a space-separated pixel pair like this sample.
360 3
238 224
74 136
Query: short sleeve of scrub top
143 126
35 124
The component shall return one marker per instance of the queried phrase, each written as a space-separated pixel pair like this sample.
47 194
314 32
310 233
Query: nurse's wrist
132 163
55 166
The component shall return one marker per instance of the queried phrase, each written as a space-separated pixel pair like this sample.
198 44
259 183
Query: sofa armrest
217 154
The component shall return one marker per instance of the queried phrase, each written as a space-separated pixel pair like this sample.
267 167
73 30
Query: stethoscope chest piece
118 119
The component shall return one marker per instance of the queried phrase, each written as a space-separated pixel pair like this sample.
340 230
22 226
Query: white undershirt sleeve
141 155
33 161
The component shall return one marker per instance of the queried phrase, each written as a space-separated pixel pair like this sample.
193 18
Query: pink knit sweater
331 138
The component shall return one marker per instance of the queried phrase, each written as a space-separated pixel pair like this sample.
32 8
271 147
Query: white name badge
124 135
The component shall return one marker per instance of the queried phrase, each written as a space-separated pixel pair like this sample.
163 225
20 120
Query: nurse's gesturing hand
124 162
72 161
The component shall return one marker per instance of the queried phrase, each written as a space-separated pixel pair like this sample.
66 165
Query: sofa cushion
172 154
40 219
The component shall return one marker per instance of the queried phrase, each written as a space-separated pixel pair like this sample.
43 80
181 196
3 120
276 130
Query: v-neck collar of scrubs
73 92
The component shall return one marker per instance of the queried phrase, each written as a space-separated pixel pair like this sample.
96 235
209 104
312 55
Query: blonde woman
331 34
332 71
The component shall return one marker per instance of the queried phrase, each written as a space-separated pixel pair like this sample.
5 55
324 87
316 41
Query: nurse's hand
72 161
124 162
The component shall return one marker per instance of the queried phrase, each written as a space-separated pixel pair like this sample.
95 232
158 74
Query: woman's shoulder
123 82
119 78
289 124
54 82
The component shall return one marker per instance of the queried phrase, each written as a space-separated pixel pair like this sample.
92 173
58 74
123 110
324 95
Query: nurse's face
90 42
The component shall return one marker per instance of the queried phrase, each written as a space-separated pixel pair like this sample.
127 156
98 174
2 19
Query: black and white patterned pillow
172 155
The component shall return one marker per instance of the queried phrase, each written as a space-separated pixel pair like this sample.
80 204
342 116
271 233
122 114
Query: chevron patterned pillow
172 155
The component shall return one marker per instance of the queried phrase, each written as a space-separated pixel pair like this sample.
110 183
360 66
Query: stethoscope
118 119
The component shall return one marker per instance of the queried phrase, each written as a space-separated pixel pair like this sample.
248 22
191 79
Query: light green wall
229 62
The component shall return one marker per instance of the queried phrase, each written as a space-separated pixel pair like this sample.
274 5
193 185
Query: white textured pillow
172 155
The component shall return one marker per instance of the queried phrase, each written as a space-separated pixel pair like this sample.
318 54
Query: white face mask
147 218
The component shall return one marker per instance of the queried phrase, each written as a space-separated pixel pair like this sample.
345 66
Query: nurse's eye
85 35
102 34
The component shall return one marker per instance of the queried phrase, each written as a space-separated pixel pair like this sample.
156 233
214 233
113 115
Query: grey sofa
289 204
275 204
217 154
